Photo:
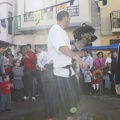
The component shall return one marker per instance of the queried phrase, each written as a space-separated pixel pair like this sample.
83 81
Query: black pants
39 81
112 82
87 87
29 83
62 94
18 94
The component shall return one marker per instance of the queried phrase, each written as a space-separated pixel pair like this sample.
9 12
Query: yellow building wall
105 40
105 11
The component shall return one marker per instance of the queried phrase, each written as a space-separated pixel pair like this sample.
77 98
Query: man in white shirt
88 59
41 74
64 87
41 57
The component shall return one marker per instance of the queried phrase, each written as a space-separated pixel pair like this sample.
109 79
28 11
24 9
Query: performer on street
64 90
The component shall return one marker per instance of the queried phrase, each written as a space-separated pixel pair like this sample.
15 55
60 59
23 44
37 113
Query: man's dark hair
61 14
29 45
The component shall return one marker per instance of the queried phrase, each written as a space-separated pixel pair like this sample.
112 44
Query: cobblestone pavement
105 107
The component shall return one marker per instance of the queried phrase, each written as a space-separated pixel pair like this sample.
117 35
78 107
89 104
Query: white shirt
57 37
108 60
42 59
89 60
87 77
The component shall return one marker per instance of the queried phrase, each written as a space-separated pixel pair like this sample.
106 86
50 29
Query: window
43 46
36 5
22 49
115 41
10 23
72 9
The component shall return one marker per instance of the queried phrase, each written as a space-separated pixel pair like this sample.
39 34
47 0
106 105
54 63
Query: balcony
115 21
73 11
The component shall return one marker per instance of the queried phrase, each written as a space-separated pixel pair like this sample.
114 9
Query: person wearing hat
64 91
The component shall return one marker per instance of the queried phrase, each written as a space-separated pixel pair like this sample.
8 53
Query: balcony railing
73 11
115 21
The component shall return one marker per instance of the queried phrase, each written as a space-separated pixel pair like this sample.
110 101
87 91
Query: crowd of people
21 75
100 72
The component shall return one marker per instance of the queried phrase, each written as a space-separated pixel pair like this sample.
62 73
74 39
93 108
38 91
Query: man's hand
81 62
117 88
26 56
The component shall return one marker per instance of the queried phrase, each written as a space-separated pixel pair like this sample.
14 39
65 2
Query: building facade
6 26
28 32
110 23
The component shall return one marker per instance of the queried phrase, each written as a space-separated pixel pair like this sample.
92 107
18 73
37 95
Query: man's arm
73 47
39 62
65 50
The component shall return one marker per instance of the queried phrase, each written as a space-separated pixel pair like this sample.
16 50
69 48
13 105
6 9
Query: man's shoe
109 72
33 98
26 98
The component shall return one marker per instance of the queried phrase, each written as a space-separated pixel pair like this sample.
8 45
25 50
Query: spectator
87 80
99 62
10 56
41 73
108 62
42 57
113 71
29 81
2 69
5 94
17 80
88 59
19 55
7 66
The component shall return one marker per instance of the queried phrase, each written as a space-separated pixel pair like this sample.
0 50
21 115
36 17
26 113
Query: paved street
106 107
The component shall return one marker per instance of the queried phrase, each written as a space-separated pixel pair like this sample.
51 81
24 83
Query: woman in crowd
10 56
99 63
113 71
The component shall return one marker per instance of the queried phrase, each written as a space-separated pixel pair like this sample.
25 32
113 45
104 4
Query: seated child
97 74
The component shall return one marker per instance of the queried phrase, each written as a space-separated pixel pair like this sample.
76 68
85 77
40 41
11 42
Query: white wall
84 13
9 1
6 8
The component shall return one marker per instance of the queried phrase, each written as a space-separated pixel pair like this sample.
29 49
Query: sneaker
26 98
109 72
33 98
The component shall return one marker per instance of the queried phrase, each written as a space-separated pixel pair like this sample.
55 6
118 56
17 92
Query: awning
108 47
